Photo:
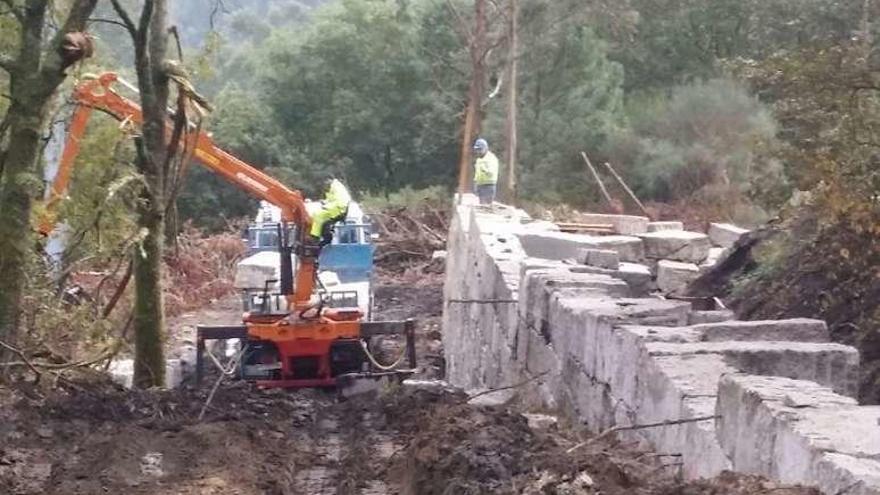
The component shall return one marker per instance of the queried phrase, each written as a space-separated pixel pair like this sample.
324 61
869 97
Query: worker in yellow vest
334 208
485 172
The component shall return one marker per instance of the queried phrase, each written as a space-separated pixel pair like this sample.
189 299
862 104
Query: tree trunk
472 118
508 190
149 311
35 74
151 41
20 183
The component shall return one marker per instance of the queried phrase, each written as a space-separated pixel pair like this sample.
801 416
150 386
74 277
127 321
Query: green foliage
102 192
408 198
572 100
706 133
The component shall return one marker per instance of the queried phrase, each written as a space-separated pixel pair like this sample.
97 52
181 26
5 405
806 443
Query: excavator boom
99 94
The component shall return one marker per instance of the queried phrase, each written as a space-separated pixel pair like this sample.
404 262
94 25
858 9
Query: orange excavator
307 344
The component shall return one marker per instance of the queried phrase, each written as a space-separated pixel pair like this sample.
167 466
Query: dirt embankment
801 269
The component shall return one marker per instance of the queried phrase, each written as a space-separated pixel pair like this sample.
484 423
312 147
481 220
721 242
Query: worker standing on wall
334 208
485 172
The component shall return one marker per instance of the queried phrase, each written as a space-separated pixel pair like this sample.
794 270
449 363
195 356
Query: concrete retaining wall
516 308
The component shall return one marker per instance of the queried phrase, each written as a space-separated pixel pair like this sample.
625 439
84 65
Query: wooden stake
627 189
598 180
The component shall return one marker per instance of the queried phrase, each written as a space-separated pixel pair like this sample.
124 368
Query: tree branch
7 63
126 19
109 21
144 25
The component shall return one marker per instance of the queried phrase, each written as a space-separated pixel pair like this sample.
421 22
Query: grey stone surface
662 226
711 316
639 278
832 365
563 245
799 432
600 258
724 234
796 330
716 255
623 224
688 247
674 277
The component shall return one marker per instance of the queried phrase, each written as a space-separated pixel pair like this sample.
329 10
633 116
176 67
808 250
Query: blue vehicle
345 267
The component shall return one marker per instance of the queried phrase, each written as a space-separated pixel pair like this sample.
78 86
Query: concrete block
724 234
795 330
674 277
663 226
799 432
562 245
688 247
832 365
623 224
716 255
601 258
638 277
711 316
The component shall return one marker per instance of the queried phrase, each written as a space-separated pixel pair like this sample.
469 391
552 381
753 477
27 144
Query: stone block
638 277
794 330
623 224
711 316
676 245
563 245
832 365
600 258
674 277
716 256
663 226
799 432
724 234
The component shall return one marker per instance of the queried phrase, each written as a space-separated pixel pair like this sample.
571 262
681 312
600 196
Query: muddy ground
87 436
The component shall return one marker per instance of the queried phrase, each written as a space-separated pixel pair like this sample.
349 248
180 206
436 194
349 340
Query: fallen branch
517 385
23 358
224 372
58 366
616 429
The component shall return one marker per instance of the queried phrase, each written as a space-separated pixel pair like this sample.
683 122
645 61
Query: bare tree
37 66
508 189
476 40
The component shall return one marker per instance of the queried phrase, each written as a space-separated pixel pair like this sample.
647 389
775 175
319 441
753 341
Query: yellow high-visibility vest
486 169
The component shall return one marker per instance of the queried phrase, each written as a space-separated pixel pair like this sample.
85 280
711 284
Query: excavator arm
99 94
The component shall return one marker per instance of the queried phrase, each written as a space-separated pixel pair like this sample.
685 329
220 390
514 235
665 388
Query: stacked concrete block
676 245
563 245
607 358
663 226
799 432
623 224
638 277
724 234
600 258
716 255
673 277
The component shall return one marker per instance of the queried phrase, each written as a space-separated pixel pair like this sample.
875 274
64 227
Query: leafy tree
571 96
